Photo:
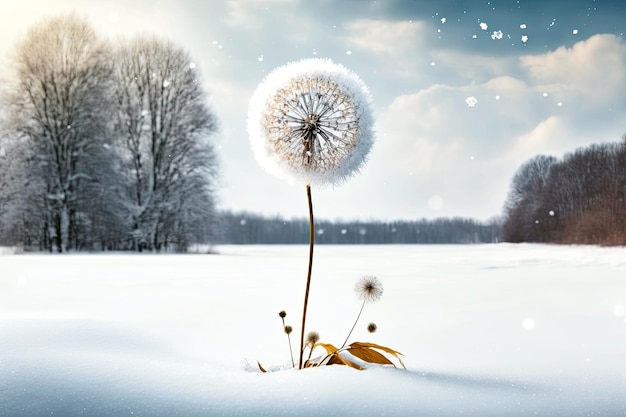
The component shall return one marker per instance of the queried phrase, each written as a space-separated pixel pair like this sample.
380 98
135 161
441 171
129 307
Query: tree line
104 146
249 228
580 199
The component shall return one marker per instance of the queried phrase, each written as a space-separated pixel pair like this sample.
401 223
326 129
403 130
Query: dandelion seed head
312 338
288 329
311 121
372 327
282 314
369 288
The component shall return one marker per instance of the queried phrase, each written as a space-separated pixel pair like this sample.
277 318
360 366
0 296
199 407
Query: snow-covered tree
58 108
162 130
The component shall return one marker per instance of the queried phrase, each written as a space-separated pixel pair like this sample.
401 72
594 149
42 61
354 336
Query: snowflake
575 31
497 34
524 38
443 20
483 26
522 26
471 101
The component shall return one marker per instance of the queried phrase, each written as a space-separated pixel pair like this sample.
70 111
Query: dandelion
369 288
312 338
311 121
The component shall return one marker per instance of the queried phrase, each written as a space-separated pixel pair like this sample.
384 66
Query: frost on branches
311 121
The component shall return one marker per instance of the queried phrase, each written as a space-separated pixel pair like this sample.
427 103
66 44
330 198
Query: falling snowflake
192 65
260 58
528 324
483 26
522 26
560 104
348 52
551 213
497 97
471 101
432 64
497 34
545 94
166 84
575 31
524 38
443 20
474 36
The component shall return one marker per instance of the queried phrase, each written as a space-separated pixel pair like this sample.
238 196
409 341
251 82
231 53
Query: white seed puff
311 121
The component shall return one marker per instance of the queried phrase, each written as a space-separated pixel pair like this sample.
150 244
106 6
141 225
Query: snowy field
486 330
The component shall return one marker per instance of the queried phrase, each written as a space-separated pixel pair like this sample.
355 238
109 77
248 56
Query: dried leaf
330 349
395 353
333 356
370 355
336 359
261 367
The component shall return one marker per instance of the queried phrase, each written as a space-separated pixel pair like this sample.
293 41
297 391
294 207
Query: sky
463 91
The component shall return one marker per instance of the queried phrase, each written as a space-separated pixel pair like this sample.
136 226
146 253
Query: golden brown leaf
336 359
370 355
330 349
390 351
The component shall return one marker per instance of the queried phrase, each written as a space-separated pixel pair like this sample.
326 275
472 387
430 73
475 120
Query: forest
578 199
249 228
104 146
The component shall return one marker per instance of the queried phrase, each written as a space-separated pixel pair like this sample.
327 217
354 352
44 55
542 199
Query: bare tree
58 107
524 212
163 123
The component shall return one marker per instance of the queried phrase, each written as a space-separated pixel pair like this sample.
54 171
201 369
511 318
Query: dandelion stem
308 278
354 325
293 365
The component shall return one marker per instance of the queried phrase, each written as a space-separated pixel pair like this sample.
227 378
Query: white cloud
595 67
545 138
381 36
436 145
399 43
246 14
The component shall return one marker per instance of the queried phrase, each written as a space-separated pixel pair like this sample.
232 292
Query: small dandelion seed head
312 338
372 327
282 314
288 329
369 288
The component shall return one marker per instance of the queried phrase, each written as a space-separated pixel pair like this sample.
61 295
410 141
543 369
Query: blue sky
464 91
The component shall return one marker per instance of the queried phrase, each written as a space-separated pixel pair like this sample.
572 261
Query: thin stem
293 365
354 325
308 278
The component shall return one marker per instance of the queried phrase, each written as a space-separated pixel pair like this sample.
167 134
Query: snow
486 330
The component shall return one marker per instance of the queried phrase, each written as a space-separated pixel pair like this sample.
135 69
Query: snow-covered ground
486 330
